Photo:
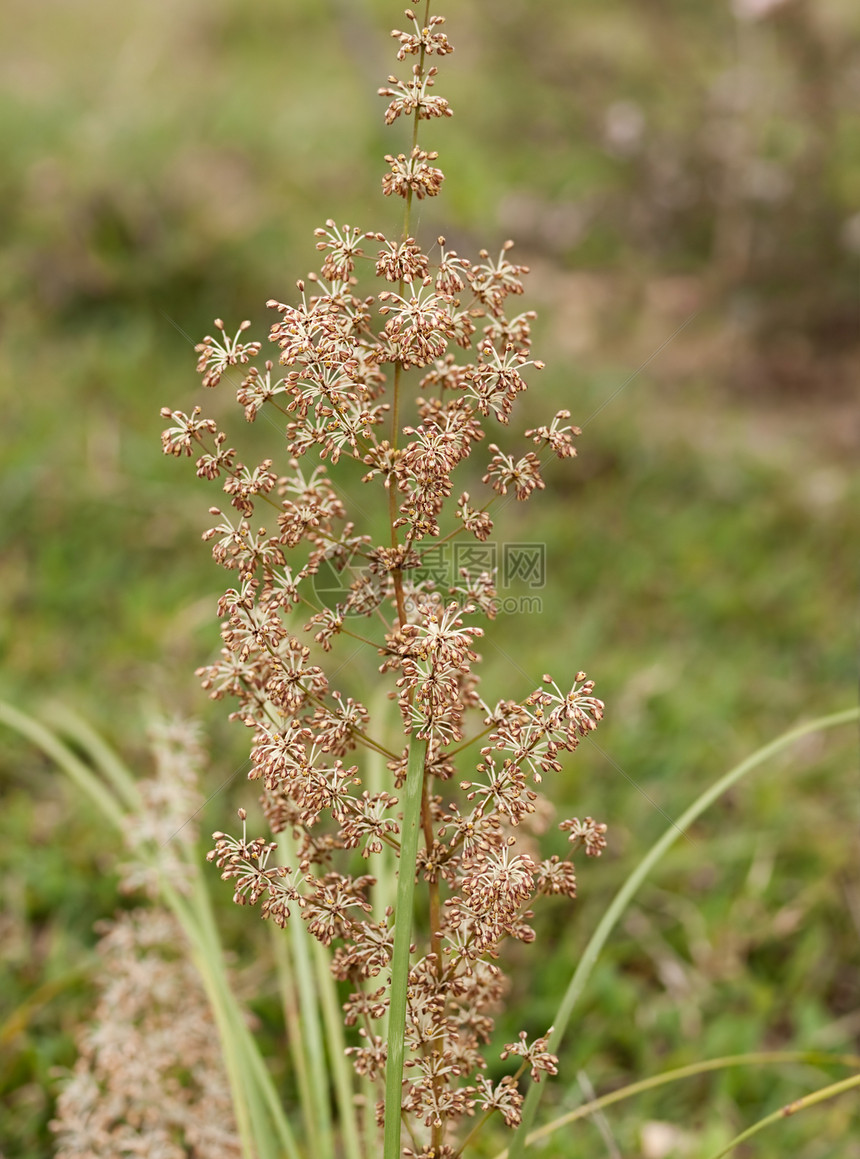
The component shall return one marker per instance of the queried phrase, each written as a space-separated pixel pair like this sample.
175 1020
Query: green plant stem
631 885
760 1058
476 1132
249 1120
257 1100
309 1006
382 895
257 1078
819 1096
341 1071
292 1021
402 941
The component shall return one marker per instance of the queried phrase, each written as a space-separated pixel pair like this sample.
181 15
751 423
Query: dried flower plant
402 382
150 1077
378 378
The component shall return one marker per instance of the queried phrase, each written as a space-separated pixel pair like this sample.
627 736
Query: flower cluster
149 1079
401 382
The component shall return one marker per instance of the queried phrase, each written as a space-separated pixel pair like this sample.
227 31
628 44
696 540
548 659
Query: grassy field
686 188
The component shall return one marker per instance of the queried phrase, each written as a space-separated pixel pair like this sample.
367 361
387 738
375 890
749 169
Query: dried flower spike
399 360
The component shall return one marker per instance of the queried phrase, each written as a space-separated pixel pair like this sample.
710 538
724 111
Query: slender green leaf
80 774
819 1096
116 772
759 1058
256 1103
402 941
289 1001
312 1034
631 885
341 1070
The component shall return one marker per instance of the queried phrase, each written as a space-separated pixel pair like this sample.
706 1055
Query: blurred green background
683 178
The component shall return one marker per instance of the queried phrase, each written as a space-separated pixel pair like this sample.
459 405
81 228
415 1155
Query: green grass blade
68 724
265 1131
402 940
247 1119
312 1036
258 1085
819 1096
289 1002
341 1069
80 774
631 885
256 1104
760 1058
